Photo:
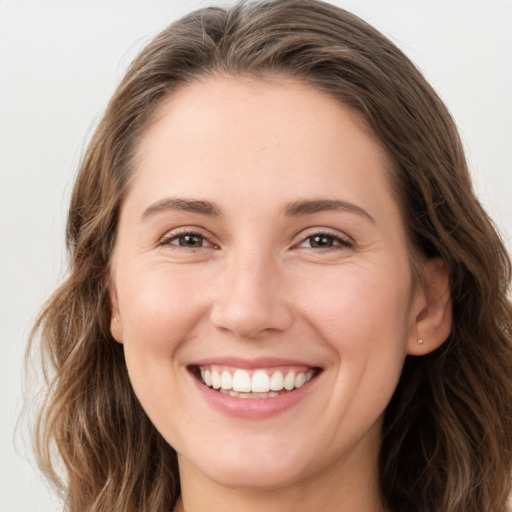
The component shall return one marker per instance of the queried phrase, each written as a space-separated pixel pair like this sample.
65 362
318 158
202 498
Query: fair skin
260 236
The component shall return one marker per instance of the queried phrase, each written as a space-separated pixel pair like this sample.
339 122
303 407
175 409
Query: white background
60 62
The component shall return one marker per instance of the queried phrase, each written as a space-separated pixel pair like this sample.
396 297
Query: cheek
363 317
159 311
159 307
358 303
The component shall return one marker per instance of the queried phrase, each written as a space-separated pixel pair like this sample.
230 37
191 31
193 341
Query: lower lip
253 408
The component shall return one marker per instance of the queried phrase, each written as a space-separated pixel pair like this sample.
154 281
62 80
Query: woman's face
260 248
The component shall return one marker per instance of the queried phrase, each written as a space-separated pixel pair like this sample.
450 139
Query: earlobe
116 327
433 316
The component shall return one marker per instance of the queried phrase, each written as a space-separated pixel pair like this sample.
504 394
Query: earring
420 341
115 318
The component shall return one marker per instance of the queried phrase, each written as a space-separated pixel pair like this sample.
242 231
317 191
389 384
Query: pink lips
250 364
251 408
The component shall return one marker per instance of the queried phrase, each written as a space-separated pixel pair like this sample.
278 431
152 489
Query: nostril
251 320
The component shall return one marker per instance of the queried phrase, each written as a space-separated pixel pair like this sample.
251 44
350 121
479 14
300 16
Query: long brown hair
447 443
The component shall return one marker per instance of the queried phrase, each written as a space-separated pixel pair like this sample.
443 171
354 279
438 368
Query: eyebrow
297 208
320 205
181 204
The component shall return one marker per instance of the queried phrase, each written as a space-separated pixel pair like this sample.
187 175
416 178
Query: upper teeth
261 381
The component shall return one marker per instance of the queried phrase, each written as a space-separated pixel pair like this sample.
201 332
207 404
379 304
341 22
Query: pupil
191 241
321 241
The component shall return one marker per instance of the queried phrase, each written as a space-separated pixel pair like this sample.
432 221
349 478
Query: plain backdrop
61 60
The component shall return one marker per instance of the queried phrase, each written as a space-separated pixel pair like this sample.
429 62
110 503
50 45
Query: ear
116 326
432 309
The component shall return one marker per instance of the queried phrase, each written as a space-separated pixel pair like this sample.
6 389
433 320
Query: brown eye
186 240
189 240
321 241
324 241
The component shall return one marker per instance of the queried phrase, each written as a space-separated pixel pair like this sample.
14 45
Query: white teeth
241 381
226 381
260 382
300 380
289 381
271 394
276 381
257 395
215 380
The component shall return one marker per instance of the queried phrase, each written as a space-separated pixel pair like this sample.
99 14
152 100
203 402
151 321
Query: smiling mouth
257 383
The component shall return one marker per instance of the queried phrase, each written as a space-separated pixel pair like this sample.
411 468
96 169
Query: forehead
257 136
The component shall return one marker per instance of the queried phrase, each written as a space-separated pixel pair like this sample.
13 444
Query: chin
253 476
255 464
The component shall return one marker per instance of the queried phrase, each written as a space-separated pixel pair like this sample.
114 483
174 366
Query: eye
324 241
189 240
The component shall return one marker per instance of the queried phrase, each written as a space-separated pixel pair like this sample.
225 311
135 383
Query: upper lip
252 364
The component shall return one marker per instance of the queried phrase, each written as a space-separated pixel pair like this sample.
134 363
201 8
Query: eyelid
171 235
175 233
344 239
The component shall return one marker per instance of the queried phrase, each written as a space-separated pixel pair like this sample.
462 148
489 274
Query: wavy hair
447 441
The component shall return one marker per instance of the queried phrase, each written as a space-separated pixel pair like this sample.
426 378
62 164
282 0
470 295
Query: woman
283 294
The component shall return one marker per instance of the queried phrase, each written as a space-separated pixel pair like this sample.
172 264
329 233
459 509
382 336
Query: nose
250 300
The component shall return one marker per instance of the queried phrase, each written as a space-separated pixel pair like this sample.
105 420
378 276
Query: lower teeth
270 394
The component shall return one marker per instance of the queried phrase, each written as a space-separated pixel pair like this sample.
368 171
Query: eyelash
337 242
168 240
341 243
